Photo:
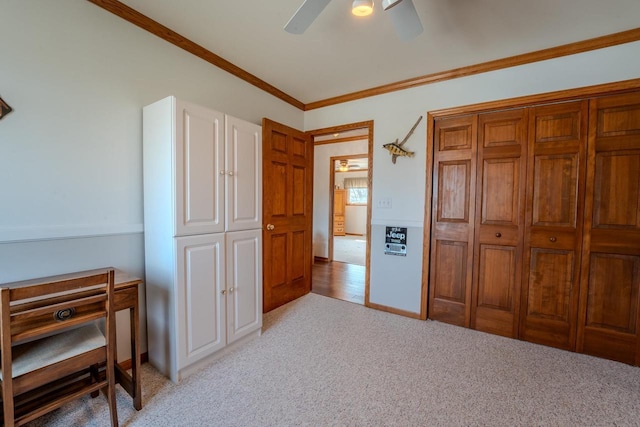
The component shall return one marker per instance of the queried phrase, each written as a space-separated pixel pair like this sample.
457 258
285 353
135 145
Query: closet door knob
552 239
498 234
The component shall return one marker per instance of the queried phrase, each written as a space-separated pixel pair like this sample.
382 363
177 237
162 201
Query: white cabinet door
199 170
244 283
200 303
244 175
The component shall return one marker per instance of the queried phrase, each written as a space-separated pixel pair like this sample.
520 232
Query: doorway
349 209
342 211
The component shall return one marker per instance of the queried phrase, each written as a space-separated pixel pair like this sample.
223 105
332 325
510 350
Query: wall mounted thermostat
395 241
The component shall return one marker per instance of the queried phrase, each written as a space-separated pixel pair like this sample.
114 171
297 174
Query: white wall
396 281
71 151
355 219
321 167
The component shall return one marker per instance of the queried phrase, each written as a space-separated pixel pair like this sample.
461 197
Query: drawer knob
66 314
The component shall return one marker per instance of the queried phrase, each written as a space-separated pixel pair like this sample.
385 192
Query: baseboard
393 310
144 358
320 259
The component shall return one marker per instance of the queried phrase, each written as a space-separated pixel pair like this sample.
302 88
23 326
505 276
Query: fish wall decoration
395 148
4 108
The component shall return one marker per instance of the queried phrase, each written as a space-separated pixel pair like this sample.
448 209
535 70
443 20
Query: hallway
339 280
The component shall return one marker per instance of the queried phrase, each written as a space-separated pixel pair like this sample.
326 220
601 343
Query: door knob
270 227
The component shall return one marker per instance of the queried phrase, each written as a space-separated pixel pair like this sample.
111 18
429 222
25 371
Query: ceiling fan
403 15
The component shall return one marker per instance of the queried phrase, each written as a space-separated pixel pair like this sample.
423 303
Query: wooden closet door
609 301
454 181
553 234
499 222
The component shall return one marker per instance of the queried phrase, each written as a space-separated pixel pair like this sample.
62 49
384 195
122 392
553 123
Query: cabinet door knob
498 234
270 227
230 173
552 239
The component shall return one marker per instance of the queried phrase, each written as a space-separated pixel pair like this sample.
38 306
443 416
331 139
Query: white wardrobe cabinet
203 230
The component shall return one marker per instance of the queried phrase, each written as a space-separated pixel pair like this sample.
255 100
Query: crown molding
133 16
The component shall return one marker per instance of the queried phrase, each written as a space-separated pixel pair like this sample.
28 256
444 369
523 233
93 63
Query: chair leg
8 405
111 392
95 373
113 407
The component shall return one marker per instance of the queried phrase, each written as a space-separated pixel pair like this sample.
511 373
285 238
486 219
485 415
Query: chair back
40 318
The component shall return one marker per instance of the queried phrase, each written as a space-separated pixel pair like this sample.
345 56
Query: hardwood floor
339 280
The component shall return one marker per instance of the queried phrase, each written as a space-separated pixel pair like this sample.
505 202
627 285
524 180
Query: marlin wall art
395 148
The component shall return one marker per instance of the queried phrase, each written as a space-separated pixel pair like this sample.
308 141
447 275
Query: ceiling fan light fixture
388 4
362 7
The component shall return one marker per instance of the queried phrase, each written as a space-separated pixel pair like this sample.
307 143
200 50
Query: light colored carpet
325 362
350 249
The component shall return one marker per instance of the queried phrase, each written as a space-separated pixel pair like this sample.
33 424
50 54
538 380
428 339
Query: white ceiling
341 54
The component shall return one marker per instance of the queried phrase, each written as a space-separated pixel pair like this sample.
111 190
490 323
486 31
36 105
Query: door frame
343 128
332 182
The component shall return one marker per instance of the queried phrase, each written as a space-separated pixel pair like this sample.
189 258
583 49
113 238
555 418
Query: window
357 190
357 196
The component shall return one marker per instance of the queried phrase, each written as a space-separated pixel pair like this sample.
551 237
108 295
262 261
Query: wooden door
610 285
556 167
287 213
499 221
454 182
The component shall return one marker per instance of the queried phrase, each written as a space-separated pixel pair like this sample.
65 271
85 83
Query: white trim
397 223
55 232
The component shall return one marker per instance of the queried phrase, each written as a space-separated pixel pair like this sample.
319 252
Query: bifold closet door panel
499 221
556 167
610 285
454 181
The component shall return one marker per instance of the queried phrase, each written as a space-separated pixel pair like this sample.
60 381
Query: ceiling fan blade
305 15
405 20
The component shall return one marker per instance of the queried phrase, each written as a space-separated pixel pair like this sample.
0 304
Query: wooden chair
52 347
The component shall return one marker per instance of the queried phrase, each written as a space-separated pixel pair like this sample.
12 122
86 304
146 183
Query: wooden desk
126 297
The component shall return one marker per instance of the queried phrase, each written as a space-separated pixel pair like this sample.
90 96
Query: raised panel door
610 284
557 146
453 213
287 192
499 221
244 283
243 161
200 305
199 170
